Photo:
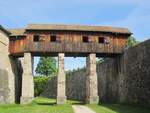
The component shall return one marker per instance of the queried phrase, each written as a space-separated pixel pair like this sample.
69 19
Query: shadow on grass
124 108
77 103
51 102
54 103
46 103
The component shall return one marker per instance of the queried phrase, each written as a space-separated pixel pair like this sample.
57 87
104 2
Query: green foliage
131 41
39 84
46 66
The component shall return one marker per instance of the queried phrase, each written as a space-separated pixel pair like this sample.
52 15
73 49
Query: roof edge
4 30
87 28
17 31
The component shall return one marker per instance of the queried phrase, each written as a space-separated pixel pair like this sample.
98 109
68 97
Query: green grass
39 105
117 108
45 105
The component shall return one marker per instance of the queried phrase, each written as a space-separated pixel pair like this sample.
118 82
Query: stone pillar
91 80
27 80
61 93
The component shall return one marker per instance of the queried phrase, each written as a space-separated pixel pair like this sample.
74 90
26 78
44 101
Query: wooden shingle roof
107 29
51 27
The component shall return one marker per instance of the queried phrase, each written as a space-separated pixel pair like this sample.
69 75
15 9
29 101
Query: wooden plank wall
68 42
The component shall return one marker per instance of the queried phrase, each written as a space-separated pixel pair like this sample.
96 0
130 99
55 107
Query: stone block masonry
27 80
61 80
91 80
9 74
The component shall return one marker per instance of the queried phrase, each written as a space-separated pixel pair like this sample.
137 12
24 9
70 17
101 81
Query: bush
39 84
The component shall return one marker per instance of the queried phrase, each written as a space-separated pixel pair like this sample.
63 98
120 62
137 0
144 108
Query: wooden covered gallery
61 41
73 40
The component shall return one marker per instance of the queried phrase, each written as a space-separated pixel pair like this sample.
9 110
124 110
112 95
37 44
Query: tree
131 41
40 84
46 66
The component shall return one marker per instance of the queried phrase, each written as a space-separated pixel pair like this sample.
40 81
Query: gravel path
82 109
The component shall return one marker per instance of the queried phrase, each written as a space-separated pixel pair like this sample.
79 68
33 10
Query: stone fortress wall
9 73
125 79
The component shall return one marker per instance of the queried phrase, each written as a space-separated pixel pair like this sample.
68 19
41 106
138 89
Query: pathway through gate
81 109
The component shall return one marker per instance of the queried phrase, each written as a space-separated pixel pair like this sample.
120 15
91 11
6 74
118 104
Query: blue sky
133 14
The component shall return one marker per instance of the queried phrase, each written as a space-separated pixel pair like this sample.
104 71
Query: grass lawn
39 105
44 105
117 108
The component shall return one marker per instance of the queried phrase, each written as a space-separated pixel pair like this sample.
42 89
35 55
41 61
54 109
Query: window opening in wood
101 40
85 39
53 38
36 38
